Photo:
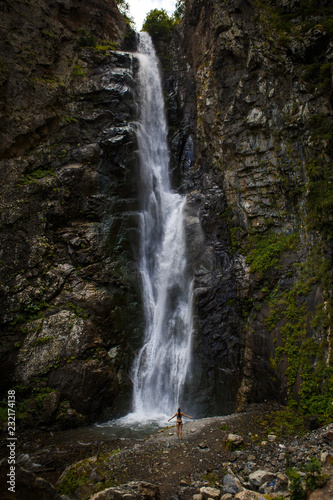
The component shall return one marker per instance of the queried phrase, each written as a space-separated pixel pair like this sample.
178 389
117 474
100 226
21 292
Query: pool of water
133 426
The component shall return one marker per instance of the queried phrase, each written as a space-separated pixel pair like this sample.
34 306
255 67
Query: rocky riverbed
242 455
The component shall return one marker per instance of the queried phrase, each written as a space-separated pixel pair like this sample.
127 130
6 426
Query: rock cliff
69 293
251 86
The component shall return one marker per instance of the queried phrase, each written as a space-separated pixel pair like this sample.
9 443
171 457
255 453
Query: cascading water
161 367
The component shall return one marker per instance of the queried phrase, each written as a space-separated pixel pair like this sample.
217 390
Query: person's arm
187 416
172 417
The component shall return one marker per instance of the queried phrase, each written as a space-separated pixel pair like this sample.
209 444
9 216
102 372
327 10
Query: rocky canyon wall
70 299
253 86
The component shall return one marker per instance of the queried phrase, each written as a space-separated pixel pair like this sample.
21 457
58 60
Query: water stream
161 367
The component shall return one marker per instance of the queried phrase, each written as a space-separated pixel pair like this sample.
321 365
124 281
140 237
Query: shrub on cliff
159 25
180 10
124 9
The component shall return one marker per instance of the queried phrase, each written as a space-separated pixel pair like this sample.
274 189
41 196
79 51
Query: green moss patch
303 344
79 482
266 250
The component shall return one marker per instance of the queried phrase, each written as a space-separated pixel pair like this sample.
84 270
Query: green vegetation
38 174
266 250
78 71
279 24
80 475
320 173
287 422
73 480
211 478
159 25
68 119
86 39
314 479
106 46
77 310
39 393
317 74
303 340
43 340
180 10
31 312
124 9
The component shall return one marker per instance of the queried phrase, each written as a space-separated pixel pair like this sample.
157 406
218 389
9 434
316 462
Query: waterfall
161 367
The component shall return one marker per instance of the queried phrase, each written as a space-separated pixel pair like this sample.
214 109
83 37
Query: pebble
202 446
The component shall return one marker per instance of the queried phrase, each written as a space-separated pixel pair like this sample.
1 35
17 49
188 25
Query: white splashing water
161 367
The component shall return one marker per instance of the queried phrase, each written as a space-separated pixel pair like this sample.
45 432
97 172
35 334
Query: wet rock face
246 104
38 52
69 290
27 485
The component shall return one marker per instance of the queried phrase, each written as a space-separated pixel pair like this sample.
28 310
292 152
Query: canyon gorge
248 94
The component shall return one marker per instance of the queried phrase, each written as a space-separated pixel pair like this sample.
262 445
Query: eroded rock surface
247 104
69 291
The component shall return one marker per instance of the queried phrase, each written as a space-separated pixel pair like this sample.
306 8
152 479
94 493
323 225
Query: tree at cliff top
159 25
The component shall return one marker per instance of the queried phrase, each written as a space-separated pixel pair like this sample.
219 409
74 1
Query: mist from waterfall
161 367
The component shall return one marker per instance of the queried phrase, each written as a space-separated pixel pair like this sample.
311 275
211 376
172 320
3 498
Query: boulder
26 485
235 439
134 490
208 492
325 493
249 495
231 484
227 496
328 434
259 477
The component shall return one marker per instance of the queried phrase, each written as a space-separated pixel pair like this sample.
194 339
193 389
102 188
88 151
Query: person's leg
181 430
177 426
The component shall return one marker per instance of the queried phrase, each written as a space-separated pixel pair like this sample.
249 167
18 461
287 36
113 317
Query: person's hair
179 413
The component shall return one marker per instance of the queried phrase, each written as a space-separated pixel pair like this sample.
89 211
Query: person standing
179 414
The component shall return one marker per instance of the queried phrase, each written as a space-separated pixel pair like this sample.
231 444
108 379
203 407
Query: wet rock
25 485
62 335
88 385
50 406
239 163
66 291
